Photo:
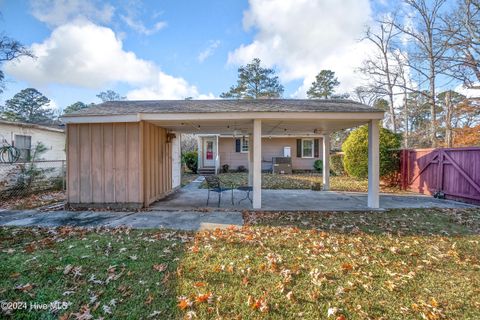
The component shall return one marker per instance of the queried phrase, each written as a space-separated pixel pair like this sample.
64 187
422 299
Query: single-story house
127 153
25 136
233 150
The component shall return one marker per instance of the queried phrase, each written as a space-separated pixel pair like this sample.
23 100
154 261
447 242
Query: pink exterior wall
271 147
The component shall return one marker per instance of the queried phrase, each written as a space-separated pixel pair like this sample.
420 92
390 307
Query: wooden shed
120 164
126 154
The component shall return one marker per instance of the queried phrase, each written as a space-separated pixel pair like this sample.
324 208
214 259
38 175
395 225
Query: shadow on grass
117 273
444 222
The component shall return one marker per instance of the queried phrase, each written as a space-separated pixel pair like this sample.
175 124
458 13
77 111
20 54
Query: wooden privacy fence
453 172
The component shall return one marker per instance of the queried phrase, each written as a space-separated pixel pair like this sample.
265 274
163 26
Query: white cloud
302 37
83 54
210 50
139 27
87 55
58 12
164 87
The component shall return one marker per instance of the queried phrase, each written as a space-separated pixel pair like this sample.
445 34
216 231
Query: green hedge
318 166
355 149
336 165
190 159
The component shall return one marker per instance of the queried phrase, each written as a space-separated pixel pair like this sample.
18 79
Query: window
307 148
24 144
244 145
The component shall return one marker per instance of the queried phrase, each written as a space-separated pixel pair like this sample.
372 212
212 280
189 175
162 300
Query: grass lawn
400 264
302 181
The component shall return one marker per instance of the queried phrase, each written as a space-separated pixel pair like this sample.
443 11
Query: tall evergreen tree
110 95
255 82
28 105
75 107
324 85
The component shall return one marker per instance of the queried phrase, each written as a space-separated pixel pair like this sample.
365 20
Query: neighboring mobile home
25 136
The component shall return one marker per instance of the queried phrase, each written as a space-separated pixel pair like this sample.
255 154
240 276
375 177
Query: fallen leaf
24 288
149 299
200 284
203 297
184 303
160 267
67 269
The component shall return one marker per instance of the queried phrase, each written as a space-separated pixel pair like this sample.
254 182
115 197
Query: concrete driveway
182 220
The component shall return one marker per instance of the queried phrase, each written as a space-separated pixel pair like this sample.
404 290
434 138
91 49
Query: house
232 151
127 153
25 136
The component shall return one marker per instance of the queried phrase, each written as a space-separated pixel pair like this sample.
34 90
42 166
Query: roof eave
357 115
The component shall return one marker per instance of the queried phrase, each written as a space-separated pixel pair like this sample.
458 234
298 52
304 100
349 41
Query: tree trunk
432 102
405 110
448 120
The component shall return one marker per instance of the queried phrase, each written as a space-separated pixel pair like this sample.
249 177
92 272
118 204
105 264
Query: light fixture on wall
170 136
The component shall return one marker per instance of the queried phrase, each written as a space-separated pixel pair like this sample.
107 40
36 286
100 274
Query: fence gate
455 172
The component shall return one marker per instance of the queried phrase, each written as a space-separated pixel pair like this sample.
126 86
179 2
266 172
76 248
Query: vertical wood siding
157 163
104 163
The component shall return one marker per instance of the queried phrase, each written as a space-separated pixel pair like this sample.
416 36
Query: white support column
250 162
373 165
217 155
326 162
200 152
257 164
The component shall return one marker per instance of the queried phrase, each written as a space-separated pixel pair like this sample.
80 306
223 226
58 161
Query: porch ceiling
269 127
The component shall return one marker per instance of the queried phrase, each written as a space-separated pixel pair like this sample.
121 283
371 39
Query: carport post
257 164
250 163
373 164
326 162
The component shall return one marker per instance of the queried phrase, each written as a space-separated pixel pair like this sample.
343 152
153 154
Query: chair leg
219 198
208 198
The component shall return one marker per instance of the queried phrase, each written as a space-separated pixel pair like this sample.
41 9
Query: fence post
403 174
63 175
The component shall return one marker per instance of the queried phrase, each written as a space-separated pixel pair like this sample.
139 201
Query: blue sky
174 49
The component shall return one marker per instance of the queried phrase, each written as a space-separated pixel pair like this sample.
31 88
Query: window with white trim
307 148
24 145
244 145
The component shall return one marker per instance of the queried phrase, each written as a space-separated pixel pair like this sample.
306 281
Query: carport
126 154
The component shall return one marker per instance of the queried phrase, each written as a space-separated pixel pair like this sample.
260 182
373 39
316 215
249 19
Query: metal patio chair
214 184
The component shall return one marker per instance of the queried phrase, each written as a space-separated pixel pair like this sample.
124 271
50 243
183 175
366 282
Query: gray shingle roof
215 106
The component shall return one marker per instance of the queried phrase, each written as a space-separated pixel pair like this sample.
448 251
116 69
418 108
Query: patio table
246 189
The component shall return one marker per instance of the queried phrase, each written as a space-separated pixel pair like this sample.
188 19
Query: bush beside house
190 159
355 149
337 165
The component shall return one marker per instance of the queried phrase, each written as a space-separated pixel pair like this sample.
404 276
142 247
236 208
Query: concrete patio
181 220
192 198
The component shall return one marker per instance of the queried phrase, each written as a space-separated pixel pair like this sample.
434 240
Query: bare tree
188 142
10 49
379 67
366 95
427 46
462 28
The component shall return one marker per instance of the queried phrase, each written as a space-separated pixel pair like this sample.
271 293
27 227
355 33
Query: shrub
190 159
241 169
355 148
318 165
225 168
336 165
